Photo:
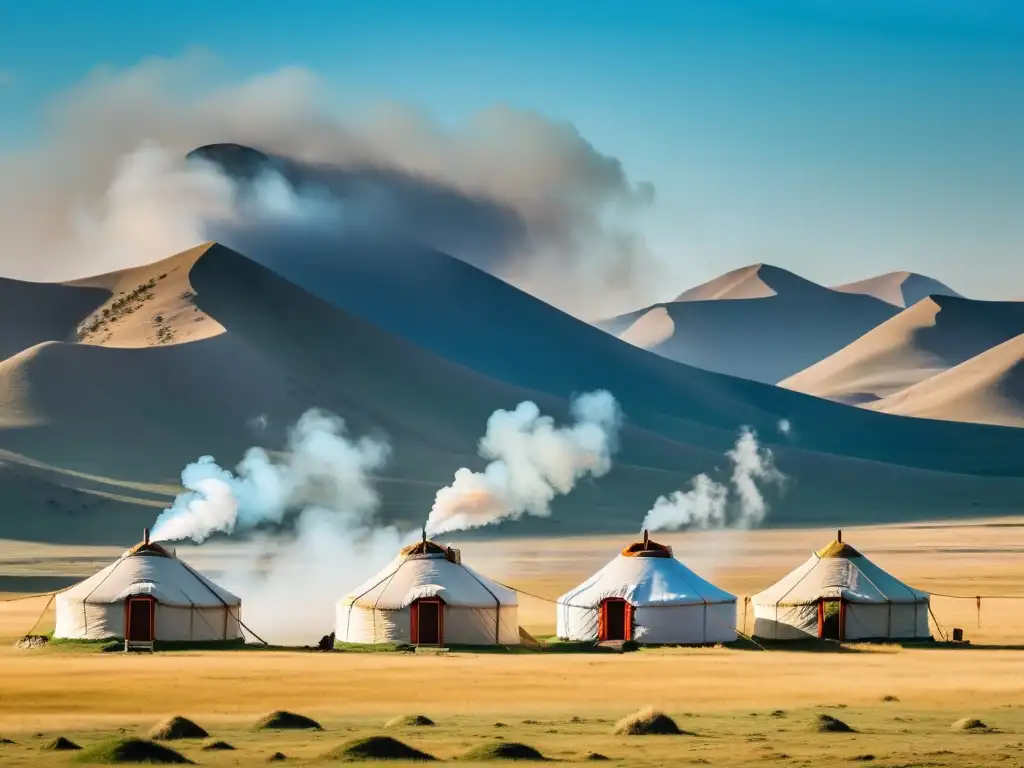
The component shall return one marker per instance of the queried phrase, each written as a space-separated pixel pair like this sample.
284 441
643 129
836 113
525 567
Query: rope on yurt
942 632
497 605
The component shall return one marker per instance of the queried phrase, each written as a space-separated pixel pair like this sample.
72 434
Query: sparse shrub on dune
377 748
218 746
970 725
647 722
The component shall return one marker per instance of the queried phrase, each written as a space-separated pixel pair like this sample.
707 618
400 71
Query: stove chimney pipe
839 535
647 538
424 530
145 536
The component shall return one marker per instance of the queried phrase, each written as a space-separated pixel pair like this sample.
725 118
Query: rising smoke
532 462
289 582
106 187
707 505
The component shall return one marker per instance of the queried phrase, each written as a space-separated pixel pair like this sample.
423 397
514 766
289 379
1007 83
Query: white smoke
532 462
289 583
322 466
707 504
104 185
785 426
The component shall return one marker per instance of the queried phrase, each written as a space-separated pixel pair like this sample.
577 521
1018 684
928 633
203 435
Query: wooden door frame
414 619
842 616
627 619
128 616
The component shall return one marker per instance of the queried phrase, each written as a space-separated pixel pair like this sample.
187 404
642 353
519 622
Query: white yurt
426 596
148 594
648 596
839 594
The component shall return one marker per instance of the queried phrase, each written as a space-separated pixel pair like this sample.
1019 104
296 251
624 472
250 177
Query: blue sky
836 138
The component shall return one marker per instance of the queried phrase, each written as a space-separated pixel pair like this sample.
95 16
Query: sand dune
901 289
105 418
760 322
928 338
31 313
987 389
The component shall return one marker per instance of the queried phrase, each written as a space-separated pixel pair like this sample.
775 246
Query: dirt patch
504 750
970 725
890 699
377 748
132 751
177 728
829 724
647 722
410 721
28 642
217 746
287 721
60 744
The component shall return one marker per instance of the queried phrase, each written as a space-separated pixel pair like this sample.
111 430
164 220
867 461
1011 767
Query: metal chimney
647 538
839 535
145 536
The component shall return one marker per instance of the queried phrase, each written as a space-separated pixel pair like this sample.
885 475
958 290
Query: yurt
426 596
148 595
839 594
646 595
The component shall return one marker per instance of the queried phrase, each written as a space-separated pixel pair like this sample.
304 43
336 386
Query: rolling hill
901 289
114 424
759 322
930 337
987 389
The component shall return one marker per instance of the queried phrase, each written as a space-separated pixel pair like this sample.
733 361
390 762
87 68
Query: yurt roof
149 569
427 569
839 571
646 574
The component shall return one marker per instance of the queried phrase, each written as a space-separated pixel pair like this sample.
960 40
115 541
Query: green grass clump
131 752
280 720
377 748
503 750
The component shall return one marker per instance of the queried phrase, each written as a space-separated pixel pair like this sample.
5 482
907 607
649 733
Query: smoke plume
707 504
105 185
324 482
532 462
323 467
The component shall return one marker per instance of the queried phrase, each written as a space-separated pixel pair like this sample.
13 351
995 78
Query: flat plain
740 706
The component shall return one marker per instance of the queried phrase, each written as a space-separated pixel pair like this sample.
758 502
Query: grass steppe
743 706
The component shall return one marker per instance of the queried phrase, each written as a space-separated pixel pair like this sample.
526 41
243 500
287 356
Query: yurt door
139 624
831 618
615 620
427 622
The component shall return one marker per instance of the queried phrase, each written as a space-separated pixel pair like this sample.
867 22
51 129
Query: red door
615 620
427 618
140 619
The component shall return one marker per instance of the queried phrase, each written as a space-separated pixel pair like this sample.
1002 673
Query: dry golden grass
725 697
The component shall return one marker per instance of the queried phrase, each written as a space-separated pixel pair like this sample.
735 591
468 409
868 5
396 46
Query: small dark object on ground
647 722
277 757
287 721
28 642
970 724
503 750
630 645
890 698
326 643
60 744
864 758
218 746
129 751
5 741
779 713
377 748
412 721
829 724
177 727
597 756
500 725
